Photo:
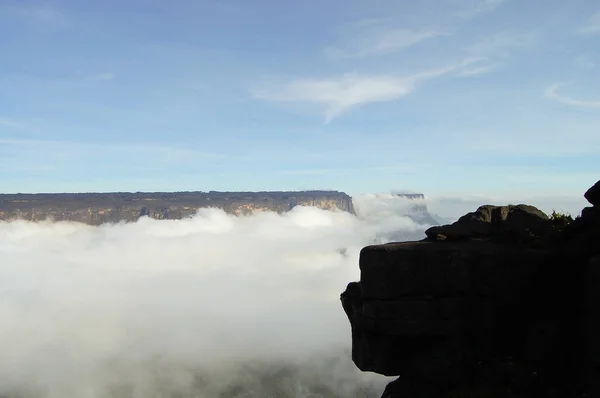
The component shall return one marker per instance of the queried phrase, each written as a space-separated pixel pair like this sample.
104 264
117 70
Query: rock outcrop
521 222
505 302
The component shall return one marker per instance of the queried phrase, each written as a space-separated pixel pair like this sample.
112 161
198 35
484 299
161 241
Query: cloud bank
552 93
338 95
213 306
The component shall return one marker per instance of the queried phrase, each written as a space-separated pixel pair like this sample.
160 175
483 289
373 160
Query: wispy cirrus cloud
477 69
497 50
477 8
338 95
592 26
504 44
378 37
552 93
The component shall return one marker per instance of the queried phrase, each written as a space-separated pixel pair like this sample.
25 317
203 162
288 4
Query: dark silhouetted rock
592 325
505 302
513 223
593 194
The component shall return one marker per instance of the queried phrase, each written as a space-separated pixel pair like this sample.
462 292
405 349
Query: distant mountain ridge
112 207
99 208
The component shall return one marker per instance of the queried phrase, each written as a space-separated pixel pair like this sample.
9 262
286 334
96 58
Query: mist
211 306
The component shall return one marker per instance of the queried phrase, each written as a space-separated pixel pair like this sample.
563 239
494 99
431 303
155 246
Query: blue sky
447 97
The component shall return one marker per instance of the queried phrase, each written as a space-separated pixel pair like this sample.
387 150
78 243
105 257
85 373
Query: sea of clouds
211 306
206 307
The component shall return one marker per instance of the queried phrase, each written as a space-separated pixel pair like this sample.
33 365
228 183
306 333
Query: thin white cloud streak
337 95
503 44
497 50
189 307
477 70
592 27
480 7
371 39
552 93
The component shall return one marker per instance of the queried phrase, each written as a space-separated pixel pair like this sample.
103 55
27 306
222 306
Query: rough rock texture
520 222
503 303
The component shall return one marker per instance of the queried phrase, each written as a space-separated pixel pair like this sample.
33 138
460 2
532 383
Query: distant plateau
114 207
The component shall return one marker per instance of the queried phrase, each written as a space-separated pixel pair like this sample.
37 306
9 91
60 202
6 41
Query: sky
445 97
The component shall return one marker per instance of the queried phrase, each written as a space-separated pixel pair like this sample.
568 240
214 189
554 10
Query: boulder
593 194
509 223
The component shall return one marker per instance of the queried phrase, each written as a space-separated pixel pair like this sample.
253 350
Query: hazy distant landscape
100 208
214 305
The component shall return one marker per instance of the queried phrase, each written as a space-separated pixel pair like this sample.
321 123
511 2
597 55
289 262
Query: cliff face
502 303
419 212
98 208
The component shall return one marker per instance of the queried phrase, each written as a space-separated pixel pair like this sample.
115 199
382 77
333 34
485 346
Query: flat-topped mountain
99 208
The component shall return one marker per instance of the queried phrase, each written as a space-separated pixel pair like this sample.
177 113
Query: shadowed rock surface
521 222
593 194
504 302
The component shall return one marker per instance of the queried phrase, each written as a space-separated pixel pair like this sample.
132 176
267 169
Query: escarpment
505 302
100 208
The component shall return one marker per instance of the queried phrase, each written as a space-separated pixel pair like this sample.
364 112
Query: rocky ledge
505 302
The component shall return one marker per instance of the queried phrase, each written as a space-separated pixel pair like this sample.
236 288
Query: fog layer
212 306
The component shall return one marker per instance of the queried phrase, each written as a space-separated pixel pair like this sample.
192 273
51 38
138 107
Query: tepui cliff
100 208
